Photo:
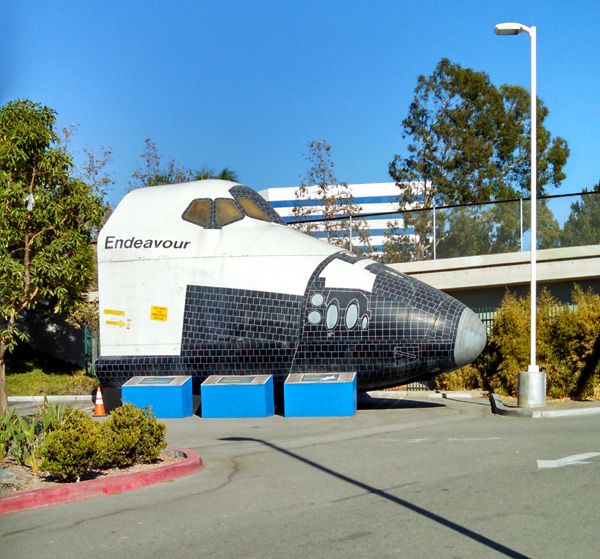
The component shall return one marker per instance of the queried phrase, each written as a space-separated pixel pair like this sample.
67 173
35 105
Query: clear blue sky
245 84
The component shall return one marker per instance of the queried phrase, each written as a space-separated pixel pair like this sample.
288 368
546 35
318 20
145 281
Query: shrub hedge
131 435
23 437
69 443
568 348
71 449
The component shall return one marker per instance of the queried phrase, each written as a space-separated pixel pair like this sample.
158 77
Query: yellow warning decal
118 323
114 312
158 313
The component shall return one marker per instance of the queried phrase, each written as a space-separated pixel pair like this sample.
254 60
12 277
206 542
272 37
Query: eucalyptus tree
468 141
583 224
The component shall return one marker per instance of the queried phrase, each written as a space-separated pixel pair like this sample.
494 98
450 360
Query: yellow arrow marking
114 312
118 323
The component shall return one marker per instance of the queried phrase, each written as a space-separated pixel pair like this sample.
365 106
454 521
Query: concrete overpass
481 281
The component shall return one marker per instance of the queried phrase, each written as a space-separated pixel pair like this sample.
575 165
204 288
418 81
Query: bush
131 435
69 443
6 428
23 437
568 345
466 378
36 382
71 449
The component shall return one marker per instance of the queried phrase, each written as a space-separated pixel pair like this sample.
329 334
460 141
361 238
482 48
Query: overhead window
198 212
227 211
252 209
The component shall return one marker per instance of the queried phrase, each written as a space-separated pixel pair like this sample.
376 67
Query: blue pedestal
237 396
168 396
317 394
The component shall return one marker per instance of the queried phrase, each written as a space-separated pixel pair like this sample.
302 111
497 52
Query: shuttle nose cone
471 338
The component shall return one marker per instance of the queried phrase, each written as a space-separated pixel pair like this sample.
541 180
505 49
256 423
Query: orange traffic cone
99 410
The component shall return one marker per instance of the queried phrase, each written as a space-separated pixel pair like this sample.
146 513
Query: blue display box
168 396
319 394
237 396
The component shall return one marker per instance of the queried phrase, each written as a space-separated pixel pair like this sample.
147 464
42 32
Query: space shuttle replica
203 278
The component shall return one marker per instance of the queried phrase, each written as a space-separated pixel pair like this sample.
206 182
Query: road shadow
368 402
462 530
469 401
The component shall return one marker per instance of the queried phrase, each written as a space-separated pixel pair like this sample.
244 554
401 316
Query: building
373 198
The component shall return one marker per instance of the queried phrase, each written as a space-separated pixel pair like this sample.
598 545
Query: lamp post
532 384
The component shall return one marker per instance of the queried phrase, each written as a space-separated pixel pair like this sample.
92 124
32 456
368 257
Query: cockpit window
198 212
251 209
227 211
215 214
253 204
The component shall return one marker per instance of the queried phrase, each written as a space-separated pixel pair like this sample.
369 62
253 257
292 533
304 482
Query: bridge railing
563 220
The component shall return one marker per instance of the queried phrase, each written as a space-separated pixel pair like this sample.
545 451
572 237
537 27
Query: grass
31 373
38 383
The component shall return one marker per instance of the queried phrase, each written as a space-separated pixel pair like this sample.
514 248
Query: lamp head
509 28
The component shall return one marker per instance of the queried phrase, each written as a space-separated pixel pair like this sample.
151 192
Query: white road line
388 440
573 459
473 439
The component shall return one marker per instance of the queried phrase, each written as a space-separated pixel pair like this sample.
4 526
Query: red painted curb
100 486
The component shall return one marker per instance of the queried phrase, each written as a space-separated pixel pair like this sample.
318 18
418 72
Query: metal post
350 233
532 384
434 243
521 221
532 365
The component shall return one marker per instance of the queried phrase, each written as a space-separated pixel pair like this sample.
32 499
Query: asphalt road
443 479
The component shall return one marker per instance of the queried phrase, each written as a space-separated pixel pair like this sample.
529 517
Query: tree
93 170
491 229
47 219
320 194
463 231
397 246
468 141
225 174
152 174
583 224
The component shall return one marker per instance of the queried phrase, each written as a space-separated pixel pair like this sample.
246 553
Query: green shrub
568 345
37 382
23 437
71 449
131 435
507 350
465 378
78 444
6 430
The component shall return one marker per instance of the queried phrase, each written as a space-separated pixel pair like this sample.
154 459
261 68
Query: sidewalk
505 405
553 408
29 405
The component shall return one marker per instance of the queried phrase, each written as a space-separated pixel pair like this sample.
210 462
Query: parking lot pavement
409 478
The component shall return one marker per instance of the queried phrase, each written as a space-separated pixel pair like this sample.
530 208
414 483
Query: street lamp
532 384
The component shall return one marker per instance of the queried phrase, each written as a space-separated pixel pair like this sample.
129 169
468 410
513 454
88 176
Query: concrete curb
449 394
69 492
499 408
398 394
51 399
